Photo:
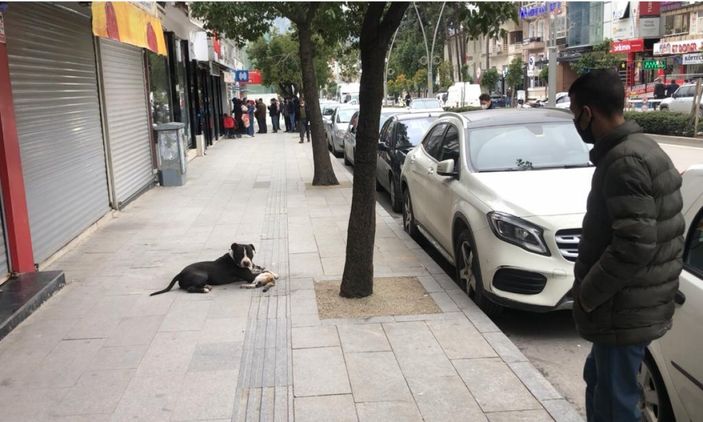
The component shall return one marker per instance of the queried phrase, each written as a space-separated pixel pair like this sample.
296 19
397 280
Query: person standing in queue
630 254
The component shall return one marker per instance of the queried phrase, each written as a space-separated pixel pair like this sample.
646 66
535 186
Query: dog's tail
170 286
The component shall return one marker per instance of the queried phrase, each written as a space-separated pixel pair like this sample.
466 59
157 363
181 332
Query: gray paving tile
505 348
216 357
562 411
375 376
135 331
479 319
223 330
29 404
520 416
444 398
151 398
210 395
96 392
322 336
494 385
429 283
319 371
445 303
339 408
534 381
363 338
388 411
417 351
118 357
169 354
186 316
460 340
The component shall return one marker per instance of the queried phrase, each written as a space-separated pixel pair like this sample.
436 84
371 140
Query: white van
463 94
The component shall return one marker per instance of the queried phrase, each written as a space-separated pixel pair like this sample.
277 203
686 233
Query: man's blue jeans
612 391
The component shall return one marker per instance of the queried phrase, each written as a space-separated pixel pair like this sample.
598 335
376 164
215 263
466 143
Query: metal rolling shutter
54 85
127 125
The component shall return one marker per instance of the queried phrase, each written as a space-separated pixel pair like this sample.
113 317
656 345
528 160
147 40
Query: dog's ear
252 247
234 246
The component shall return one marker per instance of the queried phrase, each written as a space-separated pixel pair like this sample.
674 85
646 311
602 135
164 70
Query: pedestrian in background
293 112
486 102
630 255
408 98
261 115
229 124
659 89
275 113
286 113
237 111
250 112
671 88
303 121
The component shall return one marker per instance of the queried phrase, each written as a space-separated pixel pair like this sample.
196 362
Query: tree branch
391 20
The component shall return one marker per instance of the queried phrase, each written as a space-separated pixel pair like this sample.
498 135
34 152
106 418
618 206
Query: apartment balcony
514 49
534 43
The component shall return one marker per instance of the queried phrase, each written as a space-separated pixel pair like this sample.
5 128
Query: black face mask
585 134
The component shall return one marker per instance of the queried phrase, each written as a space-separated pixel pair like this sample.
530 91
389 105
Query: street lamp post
428 51
385 72
552 75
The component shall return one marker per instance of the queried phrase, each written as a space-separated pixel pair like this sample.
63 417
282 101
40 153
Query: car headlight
517 231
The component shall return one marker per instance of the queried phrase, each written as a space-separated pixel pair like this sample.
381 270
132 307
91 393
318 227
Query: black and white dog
236 265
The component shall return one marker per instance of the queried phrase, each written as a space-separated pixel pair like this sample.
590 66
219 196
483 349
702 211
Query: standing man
286 115
275 114
293 111
303 121
630 255
673 86
659 89
261 115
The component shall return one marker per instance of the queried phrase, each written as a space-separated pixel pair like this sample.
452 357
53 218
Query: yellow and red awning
130 23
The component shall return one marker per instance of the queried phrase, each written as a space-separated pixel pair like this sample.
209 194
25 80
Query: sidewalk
101 349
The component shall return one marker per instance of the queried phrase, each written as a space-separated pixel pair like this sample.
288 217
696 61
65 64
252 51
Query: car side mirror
446 168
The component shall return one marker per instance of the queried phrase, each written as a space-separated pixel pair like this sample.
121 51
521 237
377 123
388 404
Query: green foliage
544 74
514 77
662 122
487 18
445 75
278 59
461 109
599 58
349 63
465 74
489 79
419 81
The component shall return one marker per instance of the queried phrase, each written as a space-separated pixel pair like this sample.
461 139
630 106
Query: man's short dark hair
484 97
600 89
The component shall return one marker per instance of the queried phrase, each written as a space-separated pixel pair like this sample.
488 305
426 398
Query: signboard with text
650 8
678 47
695 58
627 46
241 75
653 64
536 10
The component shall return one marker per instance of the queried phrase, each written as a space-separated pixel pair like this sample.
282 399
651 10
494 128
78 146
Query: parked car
327 109
338 127
425 105
563 100
399 135
502 195
682 100
350 134
671 376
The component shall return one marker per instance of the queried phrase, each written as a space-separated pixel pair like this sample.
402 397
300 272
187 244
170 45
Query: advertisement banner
627 46
650 8
650 28
695 58
678 47
128 23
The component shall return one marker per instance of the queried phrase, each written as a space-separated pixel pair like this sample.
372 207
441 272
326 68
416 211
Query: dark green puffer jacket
630 255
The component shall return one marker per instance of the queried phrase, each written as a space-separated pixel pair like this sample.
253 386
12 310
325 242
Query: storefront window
182 100
585 23
159 97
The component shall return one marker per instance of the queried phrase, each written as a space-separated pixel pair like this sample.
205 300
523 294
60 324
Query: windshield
425 104
527 147
409 133
386 116
345 115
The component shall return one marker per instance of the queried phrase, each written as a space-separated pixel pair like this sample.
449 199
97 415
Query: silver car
349 143
338 127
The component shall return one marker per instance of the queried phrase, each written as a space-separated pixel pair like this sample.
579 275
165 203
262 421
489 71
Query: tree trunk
324 174
357 280
488 60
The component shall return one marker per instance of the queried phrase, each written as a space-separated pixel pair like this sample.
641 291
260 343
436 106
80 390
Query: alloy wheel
649 396
466 272
407 214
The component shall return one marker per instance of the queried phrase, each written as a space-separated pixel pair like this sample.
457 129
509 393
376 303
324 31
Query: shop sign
672 5
678 47
627 46
2 29
241 75
255 77
535 10
649 28
650 8
129 23
695 58
622 29
653 64
227 77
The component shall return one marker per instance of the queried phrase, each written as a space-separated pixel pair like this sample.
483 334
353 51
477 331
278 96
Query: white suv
682 100
502 195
